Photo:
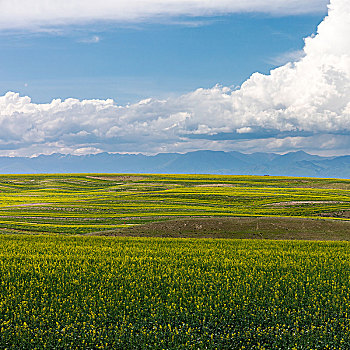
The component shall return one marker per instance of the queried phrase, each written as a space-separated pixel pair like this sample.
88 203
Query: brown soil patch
242 228
26 205
217 185
345 214
302 202
117 178
326 186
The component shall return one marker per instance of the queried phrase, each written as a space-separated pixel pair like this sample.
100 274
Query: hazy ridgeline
199 162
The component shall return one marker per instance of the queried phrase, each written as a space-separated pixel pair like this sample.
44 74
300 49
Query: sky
82 77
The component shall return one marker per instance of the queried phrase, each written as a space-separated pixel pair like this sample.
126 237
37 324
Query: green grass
81 204
71 292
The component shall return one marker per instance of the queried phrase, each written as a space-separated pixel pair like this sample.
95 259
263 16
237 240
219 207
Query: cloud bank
15 14
301 105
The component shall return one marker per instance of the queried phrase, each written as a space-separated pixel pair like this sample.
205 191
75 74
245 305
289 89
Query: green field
65 285
82 204
72 292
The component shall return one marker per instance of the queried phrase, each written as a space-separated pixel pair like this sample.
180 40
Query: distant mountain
199 162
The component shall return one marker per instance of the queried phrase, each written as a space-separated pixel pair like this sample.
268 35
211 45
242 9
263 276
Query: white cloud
36 14
289 56
95 39
303 104
244 130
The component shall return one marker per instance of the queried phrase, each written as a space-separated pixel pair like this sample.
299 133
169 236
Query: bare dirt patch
217 185
27 205
345 214
291 203
117 178
326 186
243 228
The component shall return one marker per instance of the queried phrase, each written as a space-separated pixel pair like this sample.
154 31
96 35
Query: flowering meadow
75 292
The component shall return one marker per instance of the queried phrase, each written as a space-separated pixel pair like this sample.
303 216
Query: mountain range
199 162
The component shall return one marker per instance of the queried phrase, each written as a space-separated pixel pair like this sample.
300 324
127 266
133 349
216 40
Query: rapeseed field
73 292
62 287
82 203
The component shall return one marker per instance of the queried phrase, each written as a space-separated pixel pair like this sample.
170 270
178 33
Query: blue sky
151 76
129 62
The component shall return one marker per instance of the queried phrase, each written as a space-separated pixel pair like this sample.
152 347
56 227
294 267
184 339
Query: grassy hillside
131 205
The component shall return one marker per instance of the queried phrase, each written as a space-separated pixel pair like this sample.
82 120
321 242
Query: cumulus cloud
303 104
37 14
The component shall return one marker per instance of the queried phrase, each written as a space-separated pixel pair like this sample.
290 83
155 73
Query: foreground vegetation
87 292
83 204
71 292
